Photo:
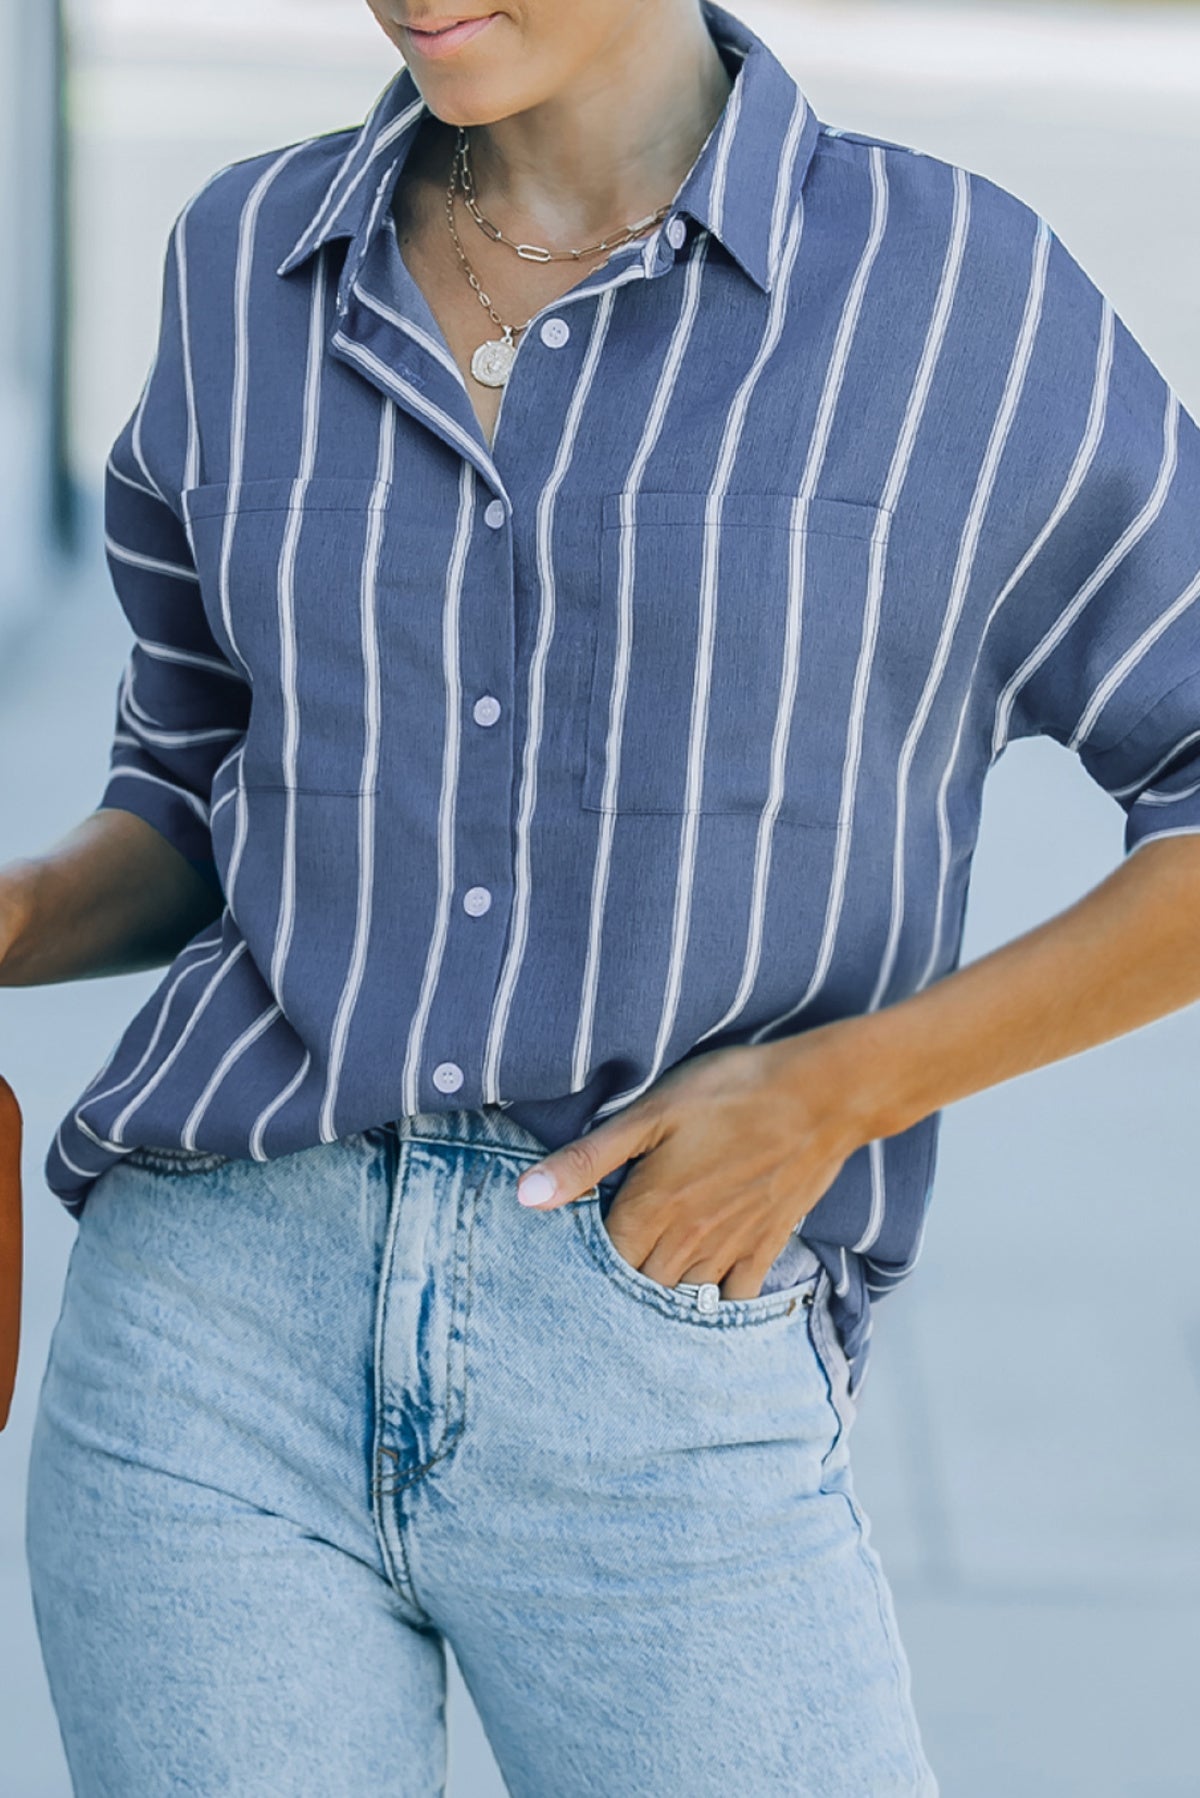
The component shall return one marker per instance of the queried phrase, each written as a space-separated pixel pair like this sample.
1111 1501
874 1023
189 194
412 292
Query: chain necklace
491 362
534 252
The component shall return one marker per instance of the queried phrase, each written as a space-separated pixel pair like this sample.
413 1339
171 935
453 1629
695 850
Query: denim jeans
305 1421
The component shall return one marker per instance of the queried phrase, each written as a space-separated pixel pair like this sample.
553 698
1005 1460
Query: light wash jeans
305 1421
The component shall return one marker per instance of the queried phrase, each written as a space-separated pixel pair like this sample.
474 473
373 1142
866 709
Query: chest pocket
725 652
285 580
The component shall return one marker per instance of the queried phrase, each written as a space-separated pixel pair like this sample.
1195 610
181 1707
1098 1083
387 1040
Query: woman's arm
113 897
738 1145
1126 953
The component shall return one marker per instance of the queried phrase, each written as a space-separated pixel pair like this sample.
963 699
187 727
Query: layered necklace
492 361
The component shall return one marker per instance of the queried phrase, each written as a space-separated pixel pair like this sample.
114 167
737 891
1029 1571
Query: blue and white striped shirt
662 723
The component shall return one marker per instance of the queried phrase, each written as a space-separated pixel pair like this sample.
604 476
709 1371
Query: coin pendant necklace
492 360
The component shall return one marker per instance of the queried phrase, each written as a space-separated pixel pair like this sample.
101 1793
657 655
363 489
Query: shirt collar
741 186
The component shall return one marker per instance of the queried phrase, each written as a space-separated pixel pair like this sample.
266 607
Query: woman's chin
468 103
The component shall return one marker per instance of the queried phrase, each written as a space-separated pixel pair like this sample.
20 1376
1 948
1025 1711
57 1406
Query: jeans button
708 1297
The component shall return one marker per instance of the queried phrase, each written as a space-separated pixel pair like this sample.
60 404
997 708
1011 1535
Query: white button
486 710
708 1297
476 900
554 333
495 514
676 232
447 1076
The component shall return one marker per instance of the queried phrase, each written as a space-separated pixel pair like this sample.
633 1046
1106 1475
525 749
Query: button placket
477 900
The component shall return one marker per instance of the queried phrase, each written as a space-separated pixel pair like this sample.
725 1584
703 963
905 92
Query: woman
588 533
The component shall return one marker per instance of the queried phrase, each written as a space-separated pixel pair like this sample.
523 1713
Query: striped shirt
661 724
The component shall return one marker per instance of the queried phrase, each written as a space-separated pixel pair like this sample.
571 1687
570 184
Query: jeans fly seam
415 1473
452 1430
452 1434
377 1492
475 1192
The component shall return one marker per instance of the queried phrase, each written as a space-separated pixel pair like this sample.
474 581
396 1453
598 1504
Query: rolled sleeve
181 707
1158 787
1112 595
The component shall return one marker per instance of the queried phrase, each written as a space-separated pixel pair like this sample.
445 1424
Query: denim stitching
453 1432
821 1328
174 1161
495 1149
405 1583
590 1223
817 1318
903 1677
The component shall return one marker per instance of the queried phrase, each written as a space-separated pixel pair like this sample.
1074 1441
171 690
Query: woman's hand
737 1146
741 1143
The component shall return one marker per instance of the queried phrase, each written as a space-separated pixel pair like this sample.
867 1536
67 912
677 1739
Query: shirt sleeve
181 706
1110 588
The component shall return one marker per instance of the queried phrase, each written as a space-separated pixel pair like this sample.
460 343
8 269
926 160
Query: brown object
10 1244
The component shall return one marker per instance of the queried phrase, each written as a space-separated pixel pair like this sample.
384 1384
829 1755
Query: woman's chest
666 649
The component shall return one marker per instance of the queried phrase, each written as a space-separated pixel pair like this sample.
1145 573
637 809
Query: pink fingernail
536 1188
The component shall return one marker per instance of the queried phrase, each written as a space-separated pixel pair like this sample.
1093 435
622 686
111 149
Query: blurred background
1028 1445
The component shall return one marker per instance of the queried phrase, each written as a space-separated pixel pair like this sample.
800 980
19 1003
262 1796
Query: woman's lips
443 43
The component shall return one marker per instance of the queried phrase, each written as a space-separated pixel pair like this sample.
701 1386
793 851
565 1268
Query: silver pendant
492 361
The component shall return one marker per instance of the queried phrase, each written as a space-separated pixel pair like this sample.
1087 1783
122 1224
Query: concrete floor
1029 1440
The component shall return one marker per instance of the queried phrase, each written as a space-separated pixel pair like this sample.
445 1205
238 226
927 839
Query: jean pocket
700 1305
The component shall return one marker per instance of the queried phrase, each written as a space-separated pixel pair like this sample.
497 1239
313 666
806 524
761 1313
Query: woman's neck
611 148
